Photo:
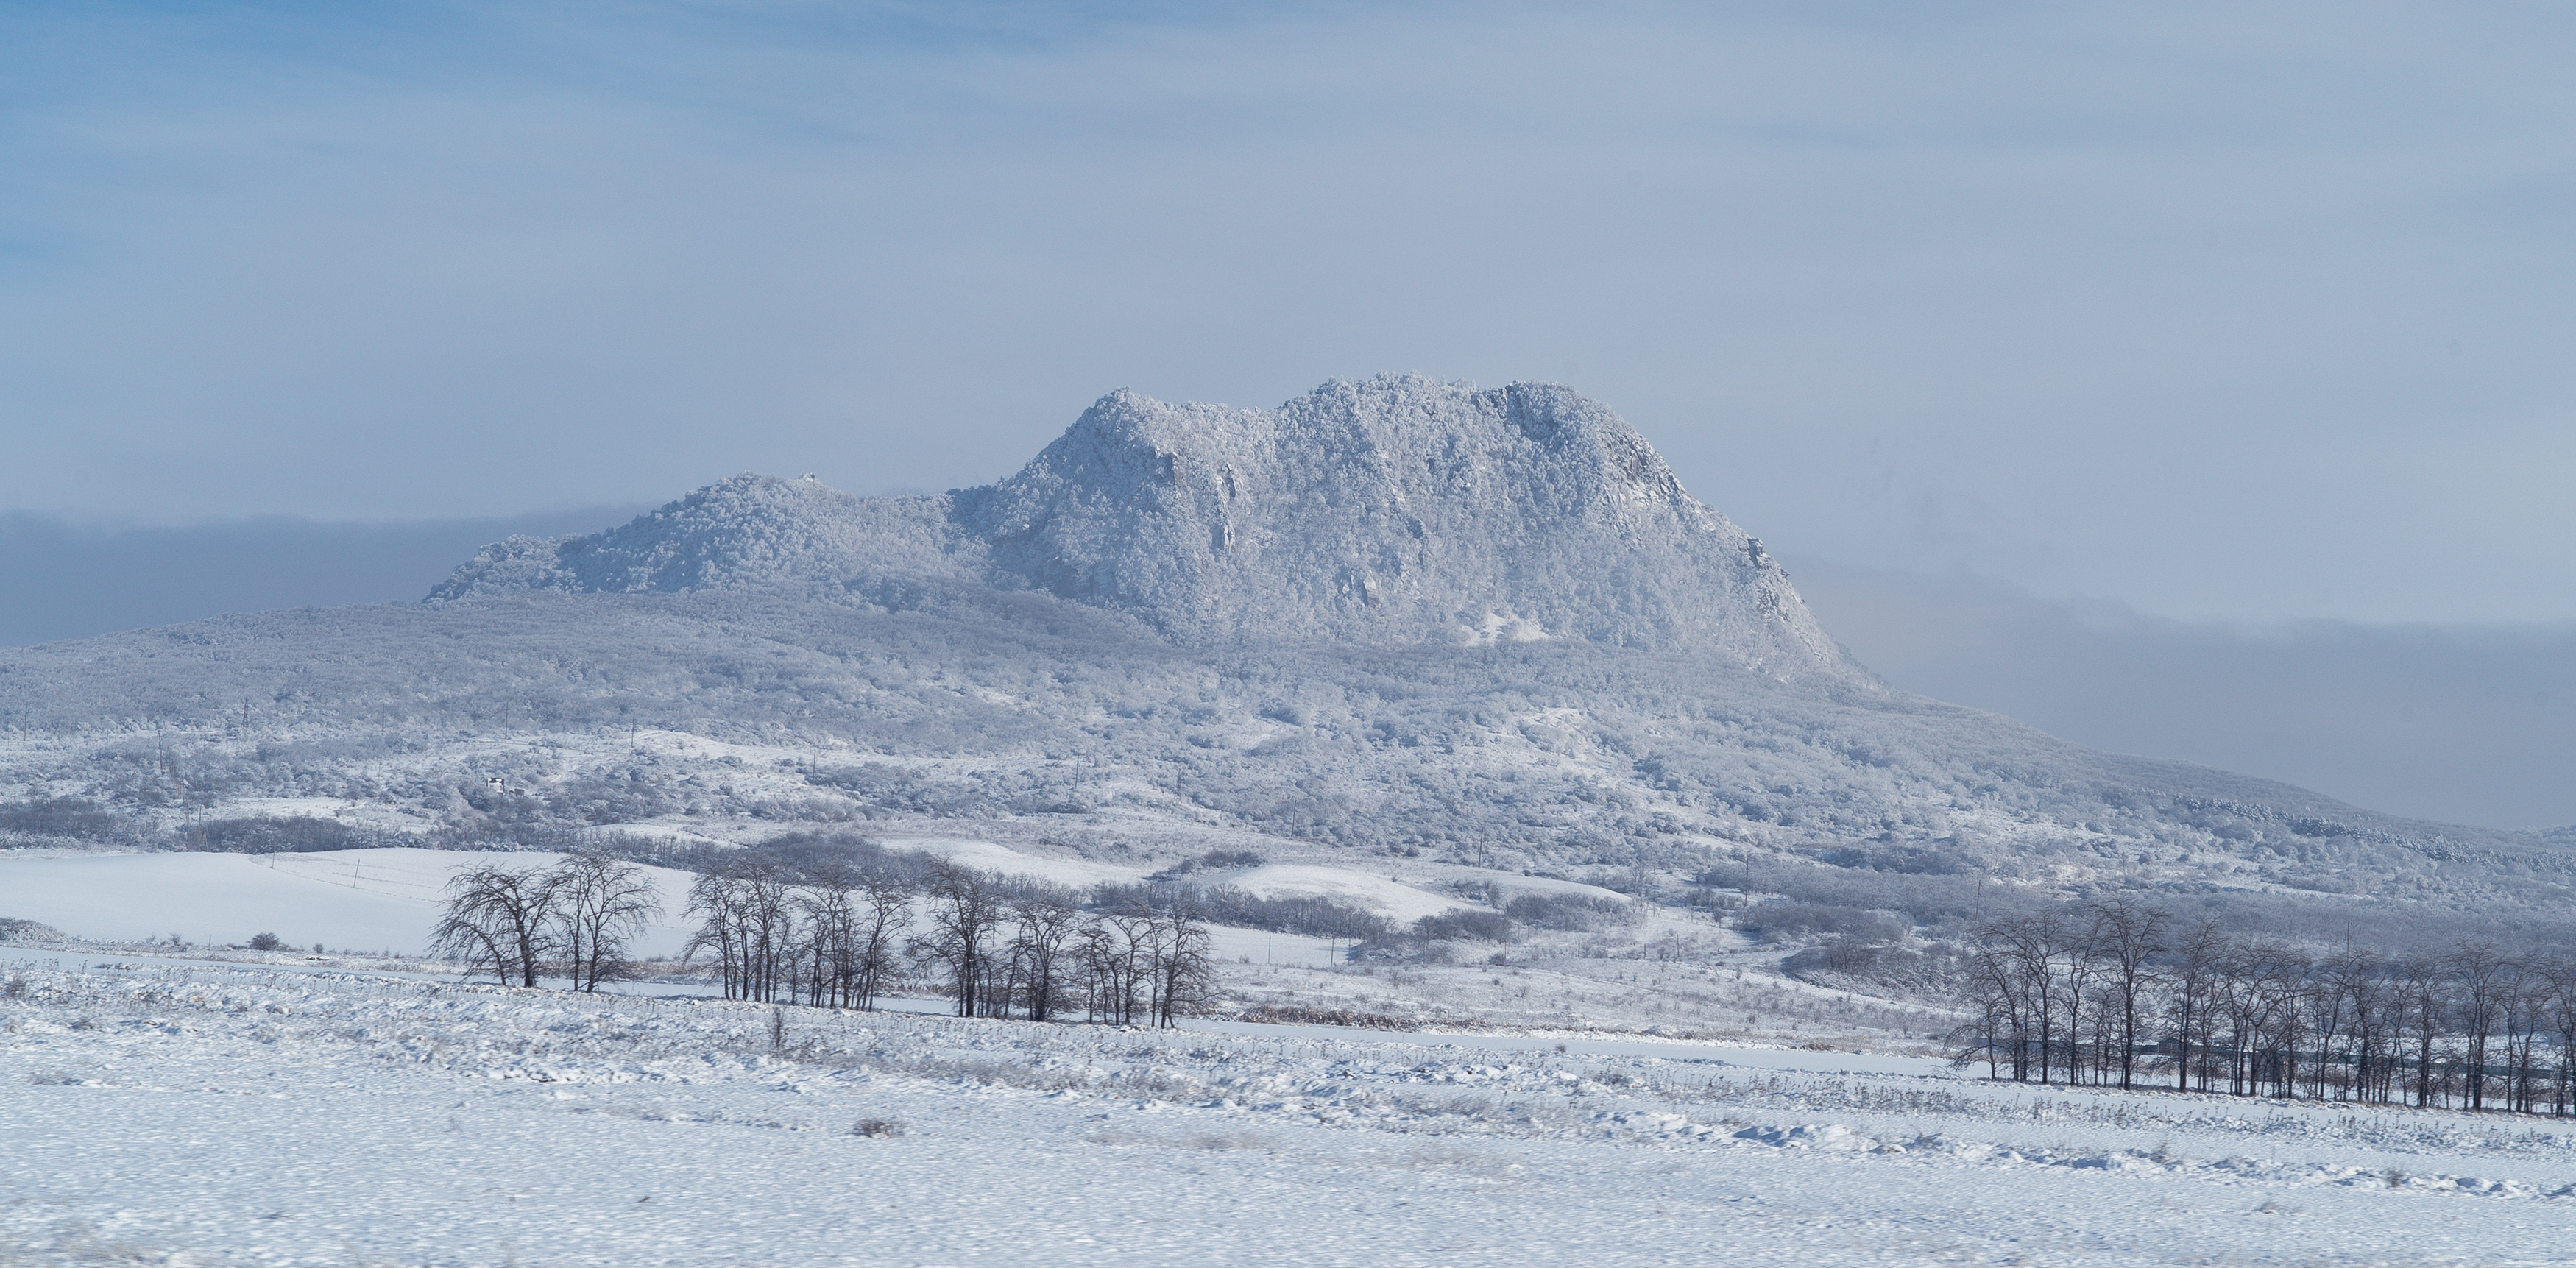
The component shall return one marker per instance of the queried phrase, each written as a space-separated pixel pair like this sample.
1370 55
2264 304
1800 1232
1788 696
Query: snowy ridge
748 532
1390 512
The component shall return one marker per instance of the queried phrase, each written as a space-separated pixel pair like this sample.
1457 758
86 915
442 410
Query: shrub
14 930
1636 882
266 942
265 835
1573 913
1213 860
1783 921
1841 955
1459 924
57 817
1228 905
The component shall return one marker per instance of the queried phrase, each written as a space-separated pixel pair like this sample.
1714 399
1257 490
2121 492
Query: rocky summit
1390 512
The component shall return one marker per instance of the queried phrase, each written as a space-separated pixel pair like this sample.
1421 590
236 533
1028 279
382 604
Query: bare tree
500 920
964 916
2192 1004
2562 1023
2258 995
602 906
2524 1012
2080 967
746 918
1117 955
1999 1030
885 914
1047 921
2334 1003
826 955
2473 1028
2375 1004
1184 968
712 900
2034 948
2128 938
2421 1009
2484 981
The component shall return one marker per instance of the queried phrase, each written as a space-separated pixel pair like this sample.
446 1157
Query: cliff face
1391 512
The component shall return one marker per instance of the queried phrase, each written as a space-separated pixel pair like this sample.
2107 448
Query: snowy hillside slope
1478 628
1037 720
1350 886
1394 511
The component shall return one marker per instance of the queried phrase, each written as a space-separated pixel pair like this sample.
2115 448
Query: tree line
2115 992
999 946
828 933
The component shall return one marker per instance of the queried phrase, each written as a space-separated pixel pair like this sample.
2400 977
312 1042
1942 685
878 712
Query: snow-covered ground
370 901
995 857
230 1114
346 900
1601 1101
1370 891
1384 895
388 900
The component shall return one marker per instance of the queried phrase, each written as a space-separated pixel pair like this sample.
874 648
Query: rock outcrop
1392 512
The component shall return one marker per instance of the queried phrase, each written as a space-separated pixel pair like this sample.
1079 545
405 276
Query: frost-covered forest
736 717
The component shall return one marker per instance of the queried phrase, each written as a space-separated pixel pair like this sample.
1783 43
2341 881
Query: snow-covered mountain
1481 626
1392 512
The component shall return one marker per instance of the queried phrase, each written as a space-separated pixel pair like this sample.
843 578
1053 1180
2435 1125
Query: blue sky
2227 315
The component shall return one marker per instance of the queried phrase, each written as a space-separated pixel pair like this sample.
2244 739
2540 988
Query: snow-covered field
370 901
346 900
388 900
207 1113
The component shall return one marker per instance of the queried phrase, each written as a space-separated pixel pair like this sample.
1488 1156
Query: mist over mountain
1486 626
2470 724
64 579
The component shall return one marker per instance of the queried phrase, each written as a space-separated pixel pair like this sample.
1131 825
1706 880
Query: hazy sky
2224 311
2216 314
2459 724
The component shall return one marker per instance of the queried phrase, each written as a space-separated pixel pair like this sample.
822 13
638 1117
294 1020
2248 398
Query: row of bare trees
1000 947
2112 992
577 918
832 936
